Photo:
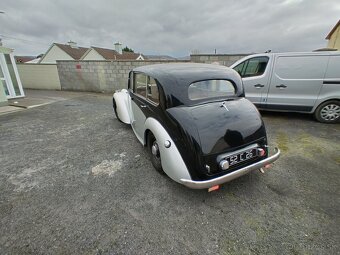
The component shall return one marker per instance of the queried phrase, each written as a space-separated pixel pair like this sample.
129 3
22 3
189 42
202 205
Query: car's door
138 97
255 74
296 82
144 98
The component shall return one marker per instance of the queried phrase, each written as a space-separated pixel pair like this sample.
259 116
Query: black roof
175 78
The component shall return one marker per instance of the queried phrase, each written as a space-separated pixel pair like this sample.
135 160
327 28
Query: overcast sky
172 27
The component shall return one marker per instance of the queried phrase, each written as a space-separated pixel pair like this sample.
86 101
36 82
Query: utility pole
1 12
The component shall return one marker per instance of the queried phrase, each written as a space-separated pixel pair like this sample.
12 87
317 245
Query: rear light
261 152
213 188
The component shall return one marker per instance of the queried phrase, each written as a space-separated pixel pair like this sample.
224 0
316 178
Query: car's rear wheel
328 112
155 153
115 109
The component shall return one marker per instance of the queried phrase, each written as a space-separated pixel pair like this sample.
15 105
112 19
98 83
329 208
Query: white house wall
39 76
93 55
55 53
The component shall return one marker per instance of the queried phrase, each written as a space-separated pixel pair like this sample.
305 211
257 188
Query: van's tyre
115 109
328 112
155 154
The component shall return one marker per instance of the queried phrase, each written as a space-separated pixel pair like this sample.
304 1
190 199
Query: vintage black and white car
196 123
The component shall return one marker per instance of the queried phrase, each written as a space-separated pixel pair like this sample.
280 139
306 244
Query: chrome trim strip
230 176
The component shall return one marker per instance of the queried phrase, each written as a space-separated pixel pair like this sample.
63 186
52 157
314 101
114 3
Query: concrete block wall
222 59
39 76
98 76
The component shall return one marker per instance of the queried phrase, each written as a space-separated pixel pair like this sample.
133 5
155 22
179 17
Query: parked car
294 82
195 121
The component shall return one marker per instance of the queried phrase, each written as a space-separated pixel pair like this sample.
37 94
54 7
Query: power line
24 40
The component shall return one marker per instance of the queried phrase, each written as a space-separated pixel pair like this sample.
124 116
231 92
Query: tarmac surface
74 180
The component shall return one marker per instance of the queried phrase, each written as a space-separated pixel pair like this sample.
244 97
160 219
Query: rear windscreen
210 89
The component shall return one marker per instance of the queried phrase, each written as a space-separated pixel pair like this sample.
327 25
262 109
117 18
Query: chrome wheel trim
330 112
155 149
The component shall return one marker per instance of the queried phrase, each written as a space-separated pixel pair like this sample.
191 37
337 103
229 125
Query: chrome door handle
142 105
282 86
259 86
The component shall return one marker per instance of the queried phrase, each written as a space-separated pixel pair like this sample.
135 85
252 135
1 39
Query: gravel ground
74 180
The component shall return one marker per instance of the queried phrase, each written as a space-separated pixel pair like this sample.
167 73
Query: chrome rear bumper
233 175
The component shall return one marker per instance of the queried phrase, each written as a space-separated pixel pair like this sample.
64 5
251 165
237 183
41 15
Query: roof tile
74 52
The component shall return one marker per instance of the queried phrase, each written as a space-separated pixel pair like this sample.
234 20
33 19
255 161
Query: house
334 37
57 51
97 53
23 59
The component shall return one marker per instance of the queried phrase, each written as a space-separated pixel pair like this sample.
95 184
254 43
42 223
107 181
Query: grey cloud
170 27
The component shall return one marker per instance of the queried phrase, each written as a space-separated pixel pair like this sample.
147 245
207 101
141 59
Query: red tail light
261 152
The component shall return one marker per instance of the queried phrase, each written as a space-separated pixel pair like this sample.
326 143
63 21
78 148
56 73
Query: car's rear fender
121 99
172 161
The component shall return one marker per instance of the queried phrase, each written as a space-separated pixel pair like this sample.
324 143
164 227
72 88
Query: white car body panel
122 99
172 162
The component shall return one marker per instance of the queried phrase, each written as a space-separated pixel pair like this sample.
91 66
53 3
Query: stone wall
108 76
222 59
98 76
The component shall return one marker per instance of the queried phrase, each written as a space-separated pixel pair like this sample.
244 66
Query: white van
295 82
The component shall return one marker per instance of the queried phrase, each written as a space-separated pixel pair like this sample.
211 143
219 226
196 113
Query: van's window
153 94
239 68
139 85
252 67
210 89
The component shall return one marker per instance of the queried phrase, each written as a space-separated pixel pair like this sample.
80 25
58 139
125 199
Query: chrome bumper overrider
233 175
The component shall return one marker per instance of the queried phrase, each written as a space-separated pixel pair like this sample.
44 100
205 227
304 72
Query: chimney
72 44
118 47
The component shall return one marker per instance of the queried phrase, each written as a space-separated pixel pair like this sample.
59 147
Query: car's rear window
210 89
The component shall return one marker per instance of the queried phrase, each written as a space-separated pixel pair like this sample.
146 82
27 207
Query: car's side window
252 67
153 94
130 82
139 84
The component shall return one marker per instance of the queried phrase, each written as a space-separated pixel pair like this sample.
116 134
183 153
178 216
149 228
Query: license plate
240 157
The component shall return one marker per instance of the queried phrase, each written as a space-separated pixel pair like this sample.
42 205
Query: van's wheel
155 153
328 112
115 109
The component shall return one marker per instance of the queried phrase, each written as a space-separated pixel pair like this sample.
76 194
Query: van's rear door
296 82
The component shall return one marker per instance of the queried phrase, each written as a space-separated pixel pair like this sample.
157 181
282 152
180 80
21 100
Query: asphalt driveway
74 180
